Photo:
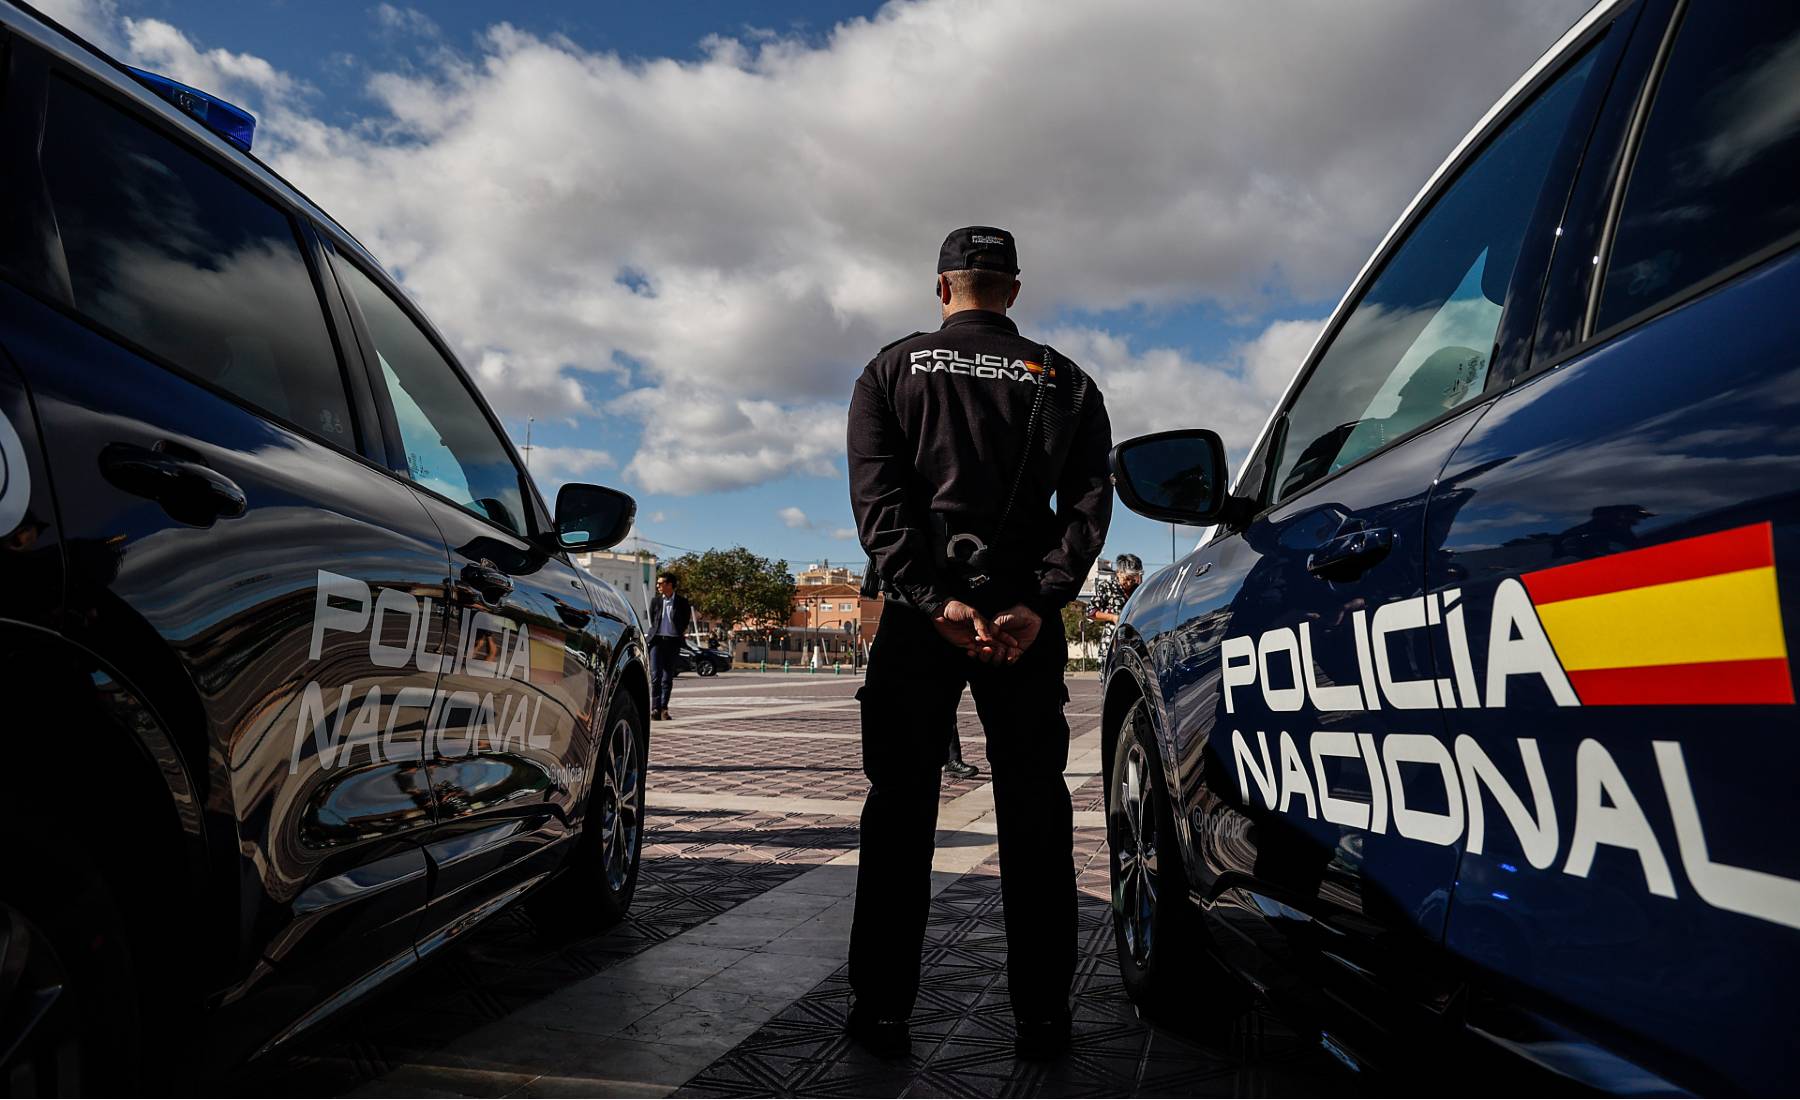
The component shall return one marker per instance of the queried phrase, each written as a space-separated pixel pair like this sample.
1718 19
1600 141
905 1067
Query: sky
666 237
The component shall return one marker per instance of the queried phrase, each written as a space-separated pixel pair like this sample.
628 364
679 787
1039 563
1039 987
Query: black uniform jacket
938 424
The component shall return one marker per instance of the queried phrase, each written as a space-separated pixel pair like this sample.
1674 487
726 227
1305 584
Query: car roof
1593 16
43 32
47 34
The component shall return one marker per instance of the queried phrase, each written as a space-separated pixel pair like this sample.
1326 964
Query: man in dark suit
670 616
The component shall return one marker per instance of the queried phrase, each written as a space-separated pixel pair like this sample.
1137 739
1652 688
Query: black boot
1042 1040
959 770
884 1037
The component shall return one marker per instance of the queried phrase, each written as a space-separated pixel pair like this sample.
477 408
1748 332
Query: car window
1715 176
451 448
1419 340
169 252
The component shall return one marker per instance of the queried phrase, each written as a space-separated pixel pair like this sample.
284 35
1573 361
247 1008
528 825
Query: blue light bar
228 120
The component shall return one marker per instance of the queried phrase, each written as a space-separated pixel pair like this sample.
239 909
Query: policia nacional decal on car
15 478
1695 621
484 645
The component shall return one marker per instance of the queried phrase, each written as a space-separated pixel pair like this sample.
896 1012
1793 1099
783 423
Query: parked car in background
1468 733
302 684
702 661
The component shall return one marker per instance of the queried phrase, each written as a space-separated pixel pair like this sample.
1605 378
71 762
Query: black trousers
915 680
663 650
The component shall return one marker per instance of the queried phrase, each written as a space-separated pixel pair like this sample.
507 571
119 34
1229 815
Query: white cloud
405 21
734 236
695 443
567 463
236 76
797 519
551 467
95 20
1159 388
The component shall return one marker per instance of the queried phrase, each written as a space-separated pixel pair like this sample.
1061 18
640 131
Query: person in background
670 615
1110 594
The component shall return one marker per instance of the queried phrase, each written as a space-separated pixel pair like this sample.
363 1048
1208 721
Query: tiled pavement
727 979
962 1025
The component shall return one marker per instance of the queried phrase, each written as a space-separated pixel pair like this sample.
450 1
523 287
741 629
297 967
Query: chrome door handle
489 583
1348 556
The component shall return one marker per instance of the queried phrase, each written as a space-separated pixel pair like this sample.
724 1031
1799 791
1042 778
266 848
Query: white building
826 573
634 575
1102 568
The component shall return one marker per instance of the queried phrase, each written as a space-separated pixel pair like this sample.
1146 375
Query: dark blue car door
512 738
231 551
1624 528
1308 709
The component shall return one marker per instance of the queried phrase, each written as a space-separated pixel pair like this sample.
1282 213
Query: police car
1468 732
300 683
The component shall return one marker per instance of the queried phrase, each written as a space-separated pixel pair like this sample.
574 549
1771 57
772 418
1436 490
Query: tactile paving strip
962 1026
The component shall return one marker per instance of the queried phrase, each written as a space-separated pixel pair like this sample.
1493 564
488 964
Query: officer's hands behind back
970 631
1020 624
1001 641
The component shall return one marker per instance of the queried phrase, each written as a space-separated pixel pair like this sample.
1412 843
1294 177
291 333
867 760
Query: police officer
957 440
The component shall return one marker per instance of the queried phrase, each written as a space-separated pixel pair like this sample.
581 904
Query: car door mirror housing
592 517
1177 477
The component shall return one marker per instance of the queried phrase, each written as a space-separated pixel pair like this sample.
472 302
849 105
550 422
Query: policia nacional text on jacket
937 437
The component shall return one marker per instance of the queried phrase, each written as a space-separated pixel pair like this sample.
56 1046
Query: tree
1073 616
735 586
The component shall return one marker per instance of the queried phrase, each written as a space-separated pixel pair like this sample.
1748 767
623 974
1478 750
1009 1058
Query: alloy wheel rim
621 814
40 1047
1136 843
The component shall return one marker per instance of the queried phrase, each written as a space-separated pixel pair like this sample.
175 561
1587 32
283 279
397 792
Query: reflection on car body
307 682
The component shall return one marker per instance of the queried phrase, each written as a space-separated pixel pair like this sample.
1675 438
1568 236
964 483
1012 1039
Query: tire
706 668
593 891
69 1007
1158 934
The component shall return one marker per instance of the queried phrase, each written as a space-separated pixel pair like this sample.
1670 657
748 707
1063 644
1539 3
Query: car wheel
68 1019
1160 941
707 668
594 890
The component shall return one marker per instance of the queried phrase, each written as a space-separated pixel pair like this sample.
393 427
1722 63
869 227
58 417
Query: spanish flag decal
1692 622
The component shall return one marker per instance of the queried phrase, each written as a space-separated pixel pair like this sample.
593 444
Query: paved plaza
728 979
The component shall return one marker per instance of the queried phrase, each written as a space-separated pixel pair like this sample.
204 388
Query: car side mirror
592 517
1177 477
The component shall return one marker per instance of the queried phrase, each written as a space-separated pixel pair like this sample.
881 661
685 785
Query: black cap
979 248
